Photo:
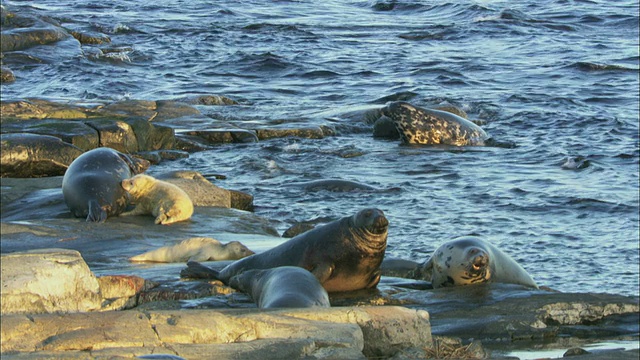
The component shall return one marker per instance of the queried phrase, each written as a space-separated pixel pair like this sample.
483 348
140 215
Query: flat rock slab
342 333
41 281
59 281
499 312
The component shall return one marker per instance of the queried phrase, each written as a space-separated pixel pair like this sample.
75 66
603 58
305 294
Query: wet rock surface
353 333
159 130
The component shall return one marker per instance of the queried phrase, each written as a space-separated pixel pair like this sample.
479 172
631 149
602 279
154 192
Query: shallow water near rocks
557 353
558 78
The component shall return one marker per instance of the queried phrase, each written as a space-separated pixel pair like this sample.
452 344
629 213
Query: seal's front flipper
195 270
96 212
323 272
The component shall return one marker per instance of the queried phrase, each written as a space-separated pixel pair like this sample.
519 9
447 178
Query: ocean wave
589 67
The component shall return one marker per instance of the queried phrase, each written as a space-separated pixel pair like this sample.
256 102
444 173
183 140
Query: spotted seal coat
471 260
344 254
282 287
433 127
91 185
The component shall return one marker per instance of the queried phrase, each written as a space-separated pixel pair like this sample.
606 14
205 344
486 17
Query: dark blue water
559 78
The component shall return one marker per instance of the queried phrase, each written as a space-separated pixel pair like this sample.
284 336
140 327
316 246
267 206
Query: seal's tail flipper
96 212
195 270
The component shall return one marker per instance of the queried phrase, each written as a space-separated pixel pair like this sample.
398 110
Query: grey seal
471 260
418 125
282 287
344 255
91 185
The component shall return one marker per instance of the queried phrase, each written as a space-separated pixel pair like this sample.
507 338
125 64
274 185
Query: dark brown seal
343 255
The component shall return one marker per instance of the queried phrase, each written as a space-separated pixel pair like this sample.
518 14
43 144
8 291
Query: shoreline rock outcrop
156 130
59 281
341 333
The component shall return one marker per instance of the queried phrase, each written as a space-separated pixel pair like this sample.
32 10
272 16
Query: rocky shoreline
102 306
40 138
488 321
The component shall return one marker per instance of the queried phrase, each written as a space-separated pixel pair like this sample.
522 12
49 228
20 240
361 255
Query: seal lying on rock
195 249
470 260
282 287
343 255
435 127
91 185
167 202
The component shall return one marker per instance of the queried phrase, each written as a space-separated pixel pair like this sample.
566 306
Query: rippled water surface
559 78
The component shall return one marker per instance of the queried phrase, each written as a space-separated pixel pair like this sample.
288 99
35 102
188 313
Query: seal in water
195 249
91 185
282 287
470 260
343 255
433 127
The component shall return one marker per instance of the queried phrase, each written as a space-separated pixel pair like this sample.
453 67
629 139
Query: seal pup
195 249
166 201
471 260
344 255
282 287
91 185
433 127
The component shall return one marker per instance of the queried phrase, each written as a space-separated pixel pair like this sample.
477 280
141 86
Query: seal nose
380 223
479 261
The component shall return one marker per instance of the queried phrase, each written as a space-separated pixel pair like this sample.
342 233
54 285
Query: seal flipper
96 212
323 272
195 270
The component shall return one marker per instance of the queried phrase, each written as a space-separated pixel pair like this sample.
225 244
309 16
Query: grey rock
31 155
48 280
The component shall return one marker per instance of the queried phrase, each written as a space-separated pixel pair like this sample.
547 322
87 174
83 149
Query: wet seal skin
91 186
282 287
343 255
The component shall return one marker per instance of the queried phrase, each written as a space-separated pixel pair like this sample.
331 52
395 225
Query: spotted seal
344 254
281 287
435 127
471 260
91 185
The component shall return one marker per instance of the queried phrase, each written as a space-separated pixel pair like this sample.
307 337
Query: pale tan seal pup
282 287
471 260
167 202
344 255
195 249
